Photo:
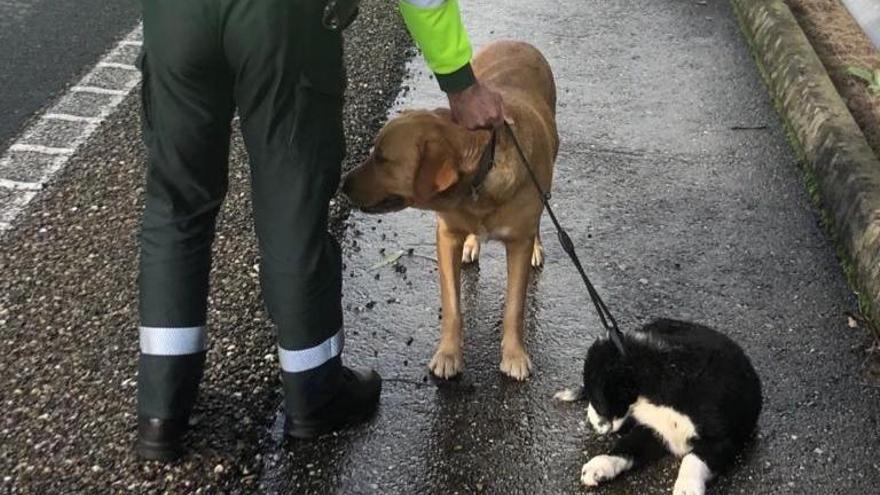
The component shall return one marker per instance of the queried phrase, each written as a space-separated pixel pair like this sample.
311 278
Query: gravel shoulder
68 312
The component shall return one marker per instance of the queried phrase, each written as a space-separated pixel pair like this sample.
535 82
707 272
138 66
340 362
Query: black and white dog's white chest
675 428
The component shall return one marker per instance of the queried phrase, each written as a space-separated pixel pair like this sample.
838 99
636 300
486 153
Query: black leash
605 315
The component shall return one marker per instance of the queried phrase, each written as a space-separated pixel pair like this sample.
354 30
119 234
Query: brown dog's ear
436 173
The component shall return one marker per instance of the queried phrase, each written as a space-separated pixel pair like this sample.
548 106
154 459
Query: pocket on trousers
324 68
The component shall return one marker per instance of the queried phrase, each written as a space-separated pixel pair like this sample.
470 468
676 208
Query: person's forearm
436 27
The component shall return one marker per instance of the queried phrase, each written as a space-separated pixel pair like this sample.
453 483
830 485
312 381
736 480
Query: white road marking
61 147
71 118
117 65
38 148
18 185
99 91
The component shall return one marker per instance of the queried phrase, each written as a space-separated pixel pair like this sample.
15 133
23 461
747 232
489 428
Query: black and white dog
682 388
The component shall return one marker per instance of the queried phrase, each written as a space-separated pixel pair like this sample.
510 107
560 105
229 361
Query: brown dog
424 160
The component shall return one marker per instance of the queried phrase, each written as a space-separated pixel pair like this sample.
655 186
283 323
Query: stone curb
834 150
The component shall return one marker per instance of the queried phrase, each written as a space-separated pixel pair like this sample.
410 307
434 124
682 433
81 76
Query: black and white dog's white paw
692 476
689 486
603 468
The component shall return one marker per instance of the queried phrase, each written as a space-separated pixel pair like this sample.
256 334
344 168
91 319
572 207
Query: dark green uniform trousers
275 62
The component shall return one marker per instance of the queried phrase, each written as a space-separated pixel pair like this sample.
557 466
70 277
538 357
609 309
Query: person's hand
476 107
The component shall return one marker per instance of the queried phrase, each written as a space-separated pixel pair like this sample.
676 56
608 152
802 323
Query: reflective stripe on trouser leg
169 370
310 376
297 361
170 341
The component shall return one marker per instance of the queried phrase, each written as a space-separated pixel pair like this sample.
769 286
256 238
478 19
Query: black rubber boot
160 439
354 403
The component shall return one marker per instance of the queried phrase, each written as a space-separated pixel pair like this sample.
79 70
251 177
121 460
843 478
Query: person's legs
187 109
289 90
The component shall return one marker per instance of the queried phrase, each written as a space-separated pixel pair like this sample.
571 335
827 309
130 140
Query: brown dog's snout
359 189
363 189
346 184
355 186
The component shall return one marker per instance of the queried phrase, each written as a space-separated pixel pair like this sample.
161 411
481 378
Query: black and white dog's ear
570 395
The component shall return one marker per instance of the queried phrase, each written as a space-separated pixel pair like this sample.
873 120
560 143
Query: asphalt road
675 214
46 45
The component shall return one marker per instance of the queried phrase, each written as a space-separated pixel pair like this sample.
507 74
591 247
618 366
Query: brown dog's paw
446 364
471 251
516 364
538 254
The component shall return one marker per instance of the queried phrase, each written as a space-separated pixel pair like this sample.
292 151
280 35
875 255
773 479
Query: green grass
869 76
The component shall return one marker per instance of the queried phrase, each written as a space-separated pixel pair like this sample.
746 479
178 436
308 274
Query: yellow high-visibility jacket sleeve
436 27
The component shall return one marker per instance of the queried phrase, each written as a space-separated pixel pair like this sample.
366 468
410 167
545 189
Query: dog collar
487 161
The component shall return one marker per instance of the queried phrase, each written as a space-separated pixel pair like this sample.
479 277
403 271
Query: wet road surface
674 214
